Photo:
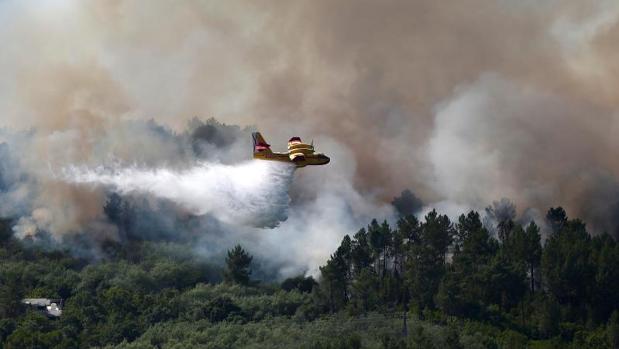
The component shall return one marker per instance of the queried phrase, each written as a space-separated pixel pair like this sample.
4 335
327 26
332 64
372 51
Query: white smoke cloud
542 130
253 193
196 186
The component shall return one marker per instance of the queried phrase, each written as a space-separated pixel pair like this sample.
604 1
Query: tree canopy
419 283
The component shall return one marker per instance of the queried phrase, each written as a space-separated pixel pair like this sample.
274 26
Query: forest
138 211
429 283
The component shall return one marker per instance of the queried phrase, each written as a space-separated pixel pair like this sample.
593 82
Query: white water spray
253 193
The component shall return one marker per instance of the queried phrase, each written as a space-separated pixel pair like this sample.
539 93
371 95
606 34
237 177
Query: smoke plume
462 102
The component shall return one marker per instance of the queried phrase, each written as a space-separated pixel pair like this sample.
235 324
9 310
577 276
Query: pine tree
605 293
238 266
387 245
377 241
473 244
462 288
566 263
533 248
361 254
337 275
426 260
556 218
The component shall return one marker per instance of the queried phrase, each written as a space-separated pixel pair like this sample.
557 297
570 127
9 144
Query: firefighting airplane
300 154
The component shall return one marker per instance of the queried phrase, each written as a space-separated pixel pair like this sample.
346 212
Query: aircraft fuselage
300 154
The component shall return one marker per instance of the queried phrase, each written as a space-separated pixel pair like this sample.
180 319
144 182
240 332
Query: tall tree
504 282
238 266
364 291
410 229
605 292
437 234
566 263
380 240
338 273
533 251
473 243
463 287
335 281
523 248
556 218
387 245
361 252
426 261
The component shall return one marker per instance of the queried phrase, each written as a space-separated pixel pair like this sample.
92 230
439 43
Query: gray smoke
463 102
198 188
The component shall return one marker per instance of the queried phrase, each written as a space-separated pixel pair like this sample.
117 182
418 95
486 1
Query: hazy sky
464 102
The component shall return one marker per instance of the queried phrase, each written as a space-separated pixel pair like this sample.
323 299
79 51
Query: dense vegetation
420 284
566 291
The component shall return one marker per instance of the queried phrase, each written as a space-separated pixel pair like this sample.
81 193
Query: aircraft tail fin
260 145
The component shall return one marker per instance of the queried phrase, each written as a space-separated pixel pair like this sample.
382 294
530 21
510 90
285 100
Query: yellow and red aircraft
300 154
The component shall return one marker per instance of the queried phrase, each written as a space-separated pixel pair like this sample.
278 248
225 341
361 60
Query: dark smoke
407 203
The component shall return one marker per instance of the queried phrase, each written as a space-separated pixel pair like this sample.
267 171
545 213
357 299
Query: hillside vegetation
419 284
